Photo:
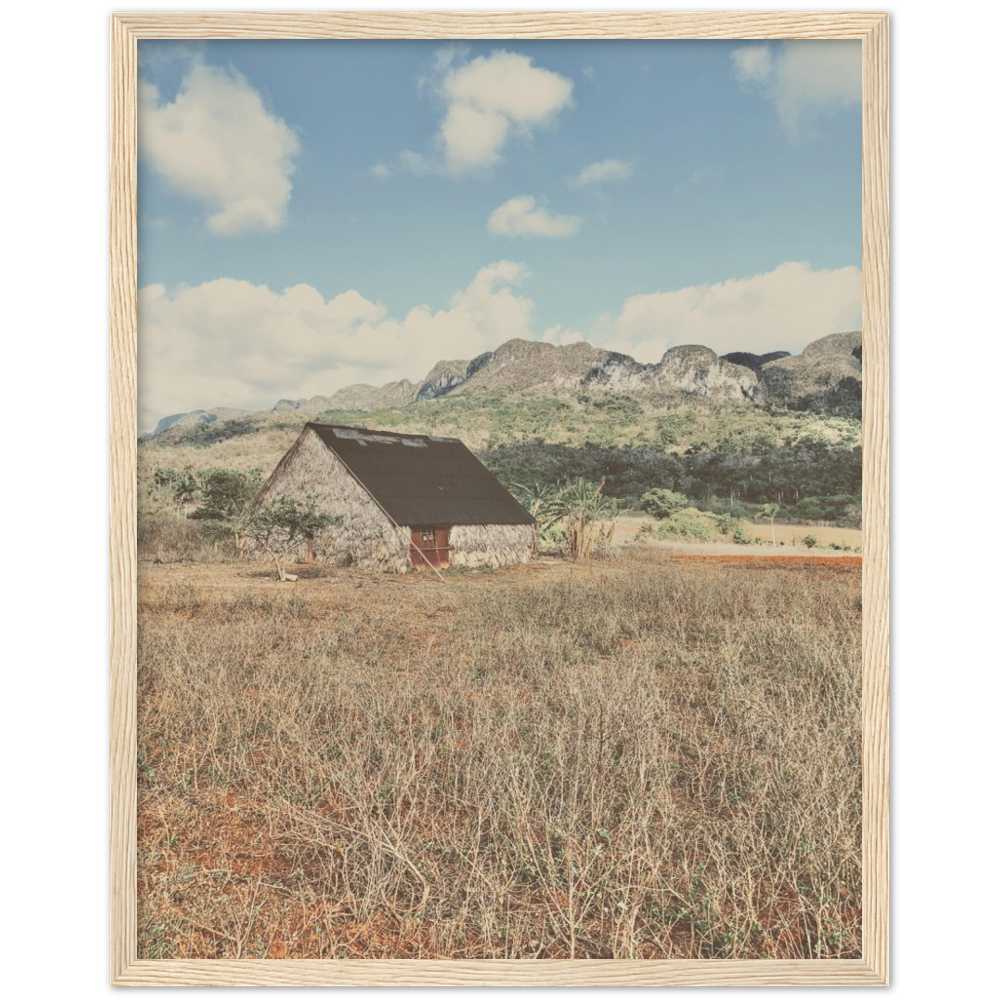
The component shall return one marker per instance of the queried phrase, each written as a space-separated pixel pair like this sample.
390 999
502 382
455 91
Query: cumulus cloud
217 144
562 335
381 171
520 217
804 79
487 101
783 309
233 343
415 163
601 173
752 64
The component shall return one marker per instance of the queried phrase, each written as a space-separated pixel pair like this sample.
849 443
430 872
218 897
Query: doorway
430 547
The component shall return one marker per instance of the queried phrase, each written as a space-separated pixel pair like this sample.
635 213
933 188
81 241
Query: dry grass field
645 757
788 536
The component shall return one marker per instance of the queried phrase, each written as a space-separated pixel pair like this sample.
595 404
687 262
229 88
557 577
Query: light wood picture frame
872 968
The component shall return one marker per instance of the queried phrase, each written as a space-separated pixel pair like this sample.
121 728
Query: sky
318 213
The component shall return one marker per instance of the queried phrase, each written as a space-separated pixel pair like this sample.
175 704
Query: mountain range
825 377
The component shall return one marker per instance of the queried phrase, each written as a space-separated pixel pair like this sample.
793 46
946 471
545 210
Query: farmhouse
402 501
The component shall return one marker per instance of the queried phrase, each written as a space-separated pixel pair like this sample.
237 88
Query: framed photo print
499 499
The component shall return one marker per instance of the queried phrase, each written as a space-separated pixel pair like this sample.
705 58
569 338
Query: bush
225 493
726 507
664 503
729 525
689 525
809 541
282 526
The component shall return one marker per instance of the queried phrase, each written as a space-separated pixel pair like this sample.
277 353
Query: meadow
641 757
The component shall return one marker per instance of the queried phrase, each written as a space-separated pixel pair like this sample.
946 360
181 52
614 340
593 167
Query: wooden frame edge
123 252
873 968
529 24
875 498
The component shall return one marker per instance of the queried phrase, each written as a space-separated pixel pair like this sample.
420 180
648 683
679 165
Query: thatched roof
422 480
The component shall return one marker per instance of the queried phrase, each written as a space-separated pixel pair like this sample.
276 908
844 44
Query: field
643 757
787 536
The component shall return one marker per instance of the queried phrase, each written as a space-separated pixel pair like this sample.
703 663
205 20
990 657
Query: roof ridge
384 433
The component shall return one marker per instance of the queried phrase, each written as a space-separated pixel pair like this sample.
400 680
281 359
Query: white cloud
217 143
783 309
488 100
161 53
520 217
600 173
752 64
381 171
232 343
473 137
805 80
562 335
415 162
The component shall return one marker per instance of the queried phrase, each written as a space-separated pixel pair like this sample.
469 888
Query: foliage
624 406
181 485
664 503
282 526
733 526
209 432
588 516
666 432
541 501
687 525
628 472
725 458
770 511
225 493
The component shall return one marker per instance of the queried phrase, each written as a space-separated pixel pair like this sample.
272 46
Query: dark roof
422 480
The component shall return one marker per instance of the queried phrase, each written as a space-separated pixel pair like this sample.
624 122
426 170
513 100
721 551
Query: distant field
645 757
791 535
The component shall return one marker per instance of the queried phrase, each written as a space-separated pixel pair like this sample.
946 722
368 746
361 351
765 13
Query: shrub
690 524
282 526
729 525
225 493
664 503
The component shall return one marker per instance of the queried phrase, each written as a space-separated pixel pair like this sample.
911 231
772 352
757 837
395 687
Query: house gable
363 530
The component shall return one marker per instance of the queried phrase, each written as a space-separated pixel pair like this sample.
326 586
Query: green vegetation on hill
724 458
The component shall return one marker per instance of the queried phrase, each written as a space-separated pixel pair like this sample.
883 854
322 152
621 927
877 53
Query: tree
542 503
181 483
770 511
225 496
225 493
664 503
589 516
282 526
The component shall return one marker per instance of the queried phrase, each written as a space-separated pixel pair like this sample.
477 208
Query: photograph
499 499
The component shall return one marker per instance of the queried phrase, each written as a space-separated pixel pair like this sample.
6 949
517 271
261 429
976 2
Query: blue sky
316 213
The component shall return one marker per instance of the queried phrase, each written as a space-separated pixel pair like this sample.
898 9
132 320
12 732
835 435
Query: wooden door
430 547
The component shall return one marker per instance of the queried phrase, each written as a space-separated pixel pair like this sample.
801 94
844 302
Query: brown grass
639 759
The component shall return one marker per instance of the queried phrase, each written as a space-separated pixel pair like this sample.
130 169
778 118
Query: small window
427 536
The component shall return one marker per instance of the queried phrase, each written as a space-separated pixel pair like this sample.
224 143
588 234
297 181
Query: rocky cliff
825 377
